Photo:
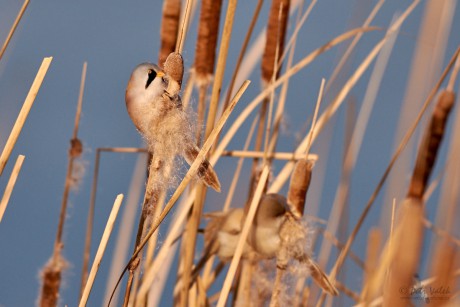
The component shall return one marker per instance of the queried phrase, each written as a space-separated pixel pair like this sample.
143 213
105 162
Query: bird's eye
152 74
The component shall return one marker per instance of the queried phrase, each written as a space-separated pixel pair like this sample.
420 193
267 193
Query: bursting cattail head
169 29
276 33
208 31
174 68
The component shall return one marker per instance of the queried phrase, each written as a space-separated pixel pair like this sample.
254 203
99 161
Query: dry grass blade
244 234
101 249
13 27
24 112
10 185
188 177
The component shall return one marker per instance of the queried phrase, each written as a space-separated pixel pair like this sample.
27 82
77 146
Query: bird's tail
317 274
205 171
321 278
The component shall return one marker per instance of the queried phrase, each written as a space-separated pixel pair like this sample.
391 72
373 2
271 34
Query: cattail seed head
174 67
169 29
298 187
208 31
276 33
430 145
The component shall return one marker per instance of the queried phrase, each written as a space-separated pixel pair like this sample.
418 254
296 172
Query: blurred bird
160 118
275 233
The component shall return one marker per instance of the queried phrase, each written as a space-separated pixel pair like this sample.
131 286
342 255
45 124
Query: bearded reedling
160 118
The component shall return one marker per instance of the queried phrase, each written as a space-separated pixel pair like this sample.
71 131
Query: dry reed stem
188 244
207 271
247 37
327 114
123 241
200 195
220 69
101 249
89 223
315 115
426 64
188 176
407 248
276 33
269 58
184 27
339 245
20 120
75 151
374 240
354 42
453 76
430 145
443 263
92 204
440 232
10 185
270 148
277 288
288 74
149 204
351 152
13 27
343 254
152 272
242 240
299 23
274 155
208 32
169 29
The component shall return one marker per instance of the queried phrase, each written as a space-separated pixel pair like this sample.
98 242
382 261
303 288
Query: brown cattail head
300 181
174 68
208 31
169 29
51 277
429 148
276 32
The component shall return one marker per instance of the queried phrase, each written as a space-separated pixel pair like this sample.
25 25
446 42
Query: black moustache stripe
152 76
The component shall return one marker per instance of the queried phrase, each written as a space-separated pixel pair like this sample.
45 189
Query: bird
274 233
162 121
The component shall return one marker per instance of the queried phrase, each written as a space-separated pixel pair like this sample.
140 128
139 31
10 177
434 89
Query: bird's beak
160 74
